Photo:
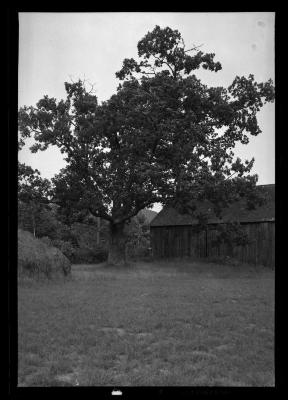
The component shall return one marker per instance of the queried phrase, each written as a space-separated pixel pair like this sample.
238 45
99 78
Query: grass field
151 324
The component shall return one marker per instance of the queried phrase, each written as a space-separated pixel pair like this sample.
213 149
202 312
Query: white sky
54 47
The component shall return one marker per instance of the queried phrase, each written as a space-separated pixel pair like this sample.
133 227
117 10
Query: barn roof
238 211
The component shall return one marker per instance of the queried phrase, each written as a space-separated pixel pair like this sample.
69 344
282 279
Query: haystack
35 256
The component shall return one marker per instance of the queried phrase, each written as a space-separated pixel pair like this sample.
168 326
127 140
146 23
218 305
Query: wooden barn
176 235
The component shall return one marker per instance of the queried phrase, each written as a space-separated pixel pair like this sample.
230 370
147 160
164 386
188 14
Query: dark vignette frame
12 42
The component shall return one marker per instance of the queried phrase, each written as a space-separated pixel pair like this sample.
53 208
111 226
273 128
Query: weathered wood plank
179 241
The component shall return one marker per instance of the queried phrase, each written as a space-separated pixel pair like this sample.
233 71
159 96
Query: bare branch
148 73
35 130
194 48
135 211
230 175
92 88
164 62
70 77
71 122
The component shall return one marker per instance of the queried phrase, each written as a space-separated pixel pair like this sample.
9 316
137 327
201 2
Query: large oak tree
163 137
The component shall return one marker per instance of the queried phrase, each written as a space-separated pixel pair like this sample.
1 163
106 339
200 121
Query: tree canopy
162 137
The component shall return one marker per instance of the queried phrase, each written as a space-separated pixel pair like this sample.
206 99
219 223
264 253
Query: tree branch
136 210
101 215
230 175
194 48
71 122
67 147
35 131
164 62
148 73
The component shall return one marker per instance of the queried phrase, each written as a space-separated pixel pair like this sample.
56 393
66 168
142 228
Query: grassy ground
151 324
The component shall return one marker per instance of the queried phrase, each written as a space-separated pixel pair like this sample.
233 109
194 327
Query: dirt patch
143 335
123 332
223 347
199 353
68 379
164 371
118 331
251 326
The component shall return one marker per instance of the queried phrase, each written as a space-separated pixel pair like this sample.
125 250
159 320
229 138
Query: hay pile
36 256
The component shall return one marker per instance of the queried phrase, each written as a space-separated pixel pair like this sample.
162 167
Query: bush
139 249
66 248
88 256
37 257
78 255
138 238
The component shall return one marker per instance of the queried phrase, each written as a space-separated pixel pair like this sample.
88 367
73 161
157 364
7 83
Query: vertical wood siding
180 241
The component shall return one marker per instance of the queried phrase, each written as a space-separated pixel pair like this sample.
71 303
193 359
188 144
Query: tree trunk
98 231
33 224
117 245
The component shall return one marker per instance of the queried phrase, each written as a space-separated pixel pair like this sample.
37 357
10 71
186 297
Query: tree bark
117 245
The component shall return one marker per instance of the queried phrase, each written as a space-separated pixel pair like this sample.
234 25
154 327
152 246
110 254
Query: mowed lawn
167 324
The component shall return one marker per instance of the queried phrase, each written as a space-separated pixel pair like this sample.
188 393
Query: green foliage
43 221
77 243
31 187
84 255
65 247
138 237
163 137
33 196
166 47
231 234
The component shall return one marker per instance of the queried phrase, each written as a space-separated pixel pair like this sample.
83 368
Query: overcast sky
58 47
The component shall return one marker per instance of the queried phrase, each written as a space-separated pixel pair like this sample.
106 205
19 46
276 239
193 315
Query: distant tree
33 194
35 218
163 137
34 208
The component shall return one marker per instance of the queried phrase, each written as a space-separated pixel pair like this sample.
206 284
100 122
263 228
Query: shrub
66 248
139 249
138 238
89 256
